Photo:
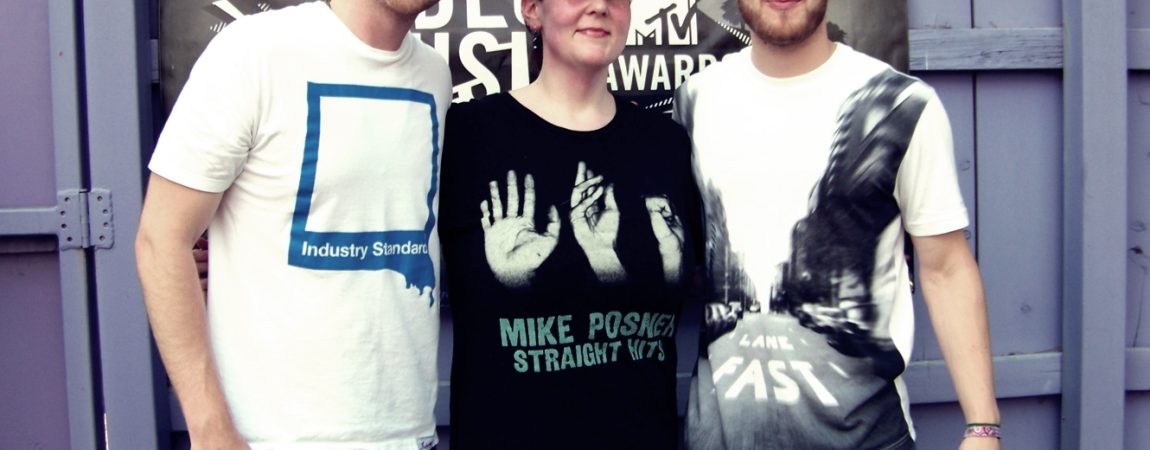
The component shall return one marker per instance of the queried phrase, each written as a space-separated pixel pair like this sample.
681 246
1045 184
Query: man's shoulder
718 79
430 64
721 71
858 70
427 54
283 19
267 30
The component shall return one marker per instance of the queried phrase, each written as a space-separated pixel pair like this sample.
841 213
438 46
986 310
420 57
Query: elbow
146 250
147 239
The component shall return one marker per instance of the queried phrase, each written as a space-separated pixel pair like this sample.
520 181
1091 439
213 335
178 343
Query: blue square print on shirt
403 250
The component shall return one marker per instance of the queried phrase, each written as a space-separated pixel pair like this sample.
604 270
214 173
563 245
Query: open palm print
515 248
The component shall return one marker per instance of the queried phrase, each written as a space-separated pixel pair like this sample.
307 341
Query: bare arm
952 288
173 219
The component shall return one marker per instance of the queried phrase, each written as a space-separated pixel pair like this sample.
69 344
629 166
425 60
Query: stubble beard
408 7
800 25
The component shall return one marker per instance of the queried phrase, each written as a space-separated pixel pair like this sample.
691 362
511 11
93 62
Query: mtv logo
664 23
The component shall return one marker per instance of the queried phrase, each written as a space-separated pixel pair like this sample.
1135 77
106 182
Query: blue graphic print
402 251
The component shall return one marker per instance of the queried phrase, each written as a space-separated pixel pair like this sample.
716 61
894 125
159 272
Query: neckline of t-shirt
544 123
840 52
353 42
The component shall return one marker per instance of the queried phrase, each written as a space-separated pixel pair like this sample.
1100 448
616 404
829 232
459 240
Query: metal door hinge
85 219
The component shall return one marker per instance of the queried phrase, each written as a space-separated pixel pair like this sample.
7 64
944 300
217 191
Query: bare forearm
952 287
173 218
958 314
176 311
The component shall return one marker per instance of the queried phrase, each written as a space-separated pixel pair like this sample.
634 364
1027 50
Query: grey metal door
79 369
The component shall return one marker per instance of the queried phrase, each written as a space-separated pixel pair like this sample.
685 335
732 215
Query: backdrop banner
487 44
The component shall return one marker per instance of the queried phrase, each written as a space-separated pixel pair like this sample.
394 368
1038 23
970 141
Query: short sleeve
927 185
209 133
458 167
681 106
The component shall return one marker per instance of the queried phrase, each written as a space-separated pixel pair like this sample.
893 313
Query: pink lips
783 4
594 32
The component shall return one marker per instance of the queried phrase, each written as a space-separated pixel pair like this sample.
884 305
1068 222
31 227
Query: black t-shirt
565 290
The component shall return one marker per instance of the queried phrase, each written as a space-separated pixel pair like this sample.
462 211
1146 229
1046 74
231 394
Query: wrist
605 262
983 430
982 412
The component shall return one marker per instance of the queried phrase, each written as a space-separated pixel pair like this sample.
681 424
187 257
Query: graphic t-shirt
567 259
323 309
809 185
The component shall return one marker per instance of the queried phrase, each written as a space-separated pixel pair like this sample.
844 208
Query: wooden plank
938 14
1016 376
85 425
1138 234
1094 210
1019 137
1138 369
115 88
1031 424
29 221
1139 17
1005 49
986 49
1138 49
1016 13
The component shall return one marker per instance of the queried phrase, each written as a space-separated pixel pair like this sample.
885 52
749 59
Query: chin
597 60
410 7
600 62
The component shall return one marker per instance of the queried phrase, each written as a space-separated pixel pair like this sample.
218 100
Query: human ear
532 14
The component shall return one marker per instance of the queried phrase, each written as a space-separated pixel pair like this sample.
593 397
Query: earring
536 37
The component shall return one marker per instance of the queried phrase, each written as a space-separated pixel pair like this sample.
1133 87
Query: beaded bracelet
983 430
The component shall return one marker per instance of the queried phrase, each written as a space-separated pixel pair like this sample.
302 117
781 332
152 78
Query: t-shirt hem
405 443
188 180
953 222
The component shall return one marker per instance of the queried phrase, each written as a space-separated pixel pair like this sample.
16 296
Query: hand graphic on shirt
513 247
669 232
595 221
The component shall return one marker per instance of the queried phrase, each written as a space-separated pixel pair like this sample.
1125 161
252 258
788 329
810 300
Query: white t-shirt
809 184
323 307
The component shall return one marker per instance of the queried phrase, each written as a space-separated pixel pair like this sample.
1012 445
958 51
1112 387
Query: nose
597 6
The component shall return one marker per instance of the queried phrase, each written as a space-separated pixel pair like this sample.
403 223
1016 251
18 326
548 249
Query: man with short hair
814 162
308 138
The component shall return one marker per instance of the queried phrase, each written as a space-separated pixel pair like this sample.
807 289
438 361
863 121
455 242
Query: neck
373 23
792 60
572 99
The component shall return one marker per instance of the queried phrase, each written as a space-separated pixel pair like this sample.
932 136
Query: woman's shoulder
649 120
475 116
481 107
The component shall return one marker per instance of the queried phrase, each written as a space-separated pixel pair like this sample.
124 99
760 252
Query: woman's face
580 33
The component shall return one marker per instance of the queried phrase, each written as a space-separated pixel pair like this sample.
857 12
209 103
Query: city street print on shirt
806 359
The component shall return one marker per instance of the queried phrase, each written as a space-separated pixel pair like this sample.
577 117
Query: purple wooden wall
34 411
1138 237
32 389
26 174
1007 125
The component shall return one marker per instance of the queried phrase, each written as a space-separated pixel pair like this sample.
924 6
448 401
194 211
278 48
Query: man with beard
323 326
814 162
